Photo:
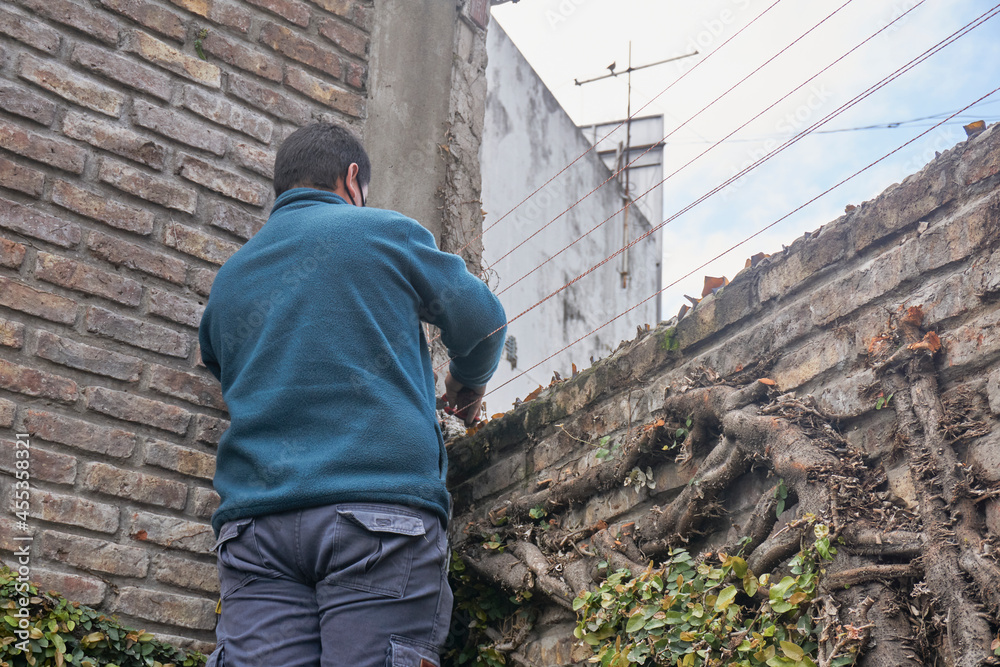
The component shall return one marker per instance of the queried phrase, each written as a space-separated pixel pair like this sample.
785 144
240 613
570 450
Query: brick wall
136 147
808 314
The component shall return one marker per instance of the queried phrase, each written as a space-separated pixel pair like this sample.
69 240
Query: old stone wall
136 148
803 318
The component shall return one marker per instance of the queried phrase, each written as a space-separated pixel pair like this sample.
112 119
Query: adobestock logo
562 12
789 124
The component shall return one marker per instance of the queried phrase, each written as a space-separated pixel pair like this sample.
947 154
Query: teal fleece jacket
313 329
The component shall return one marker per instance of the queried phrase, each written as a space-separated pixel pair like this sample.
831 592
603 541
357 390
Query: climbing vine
716 612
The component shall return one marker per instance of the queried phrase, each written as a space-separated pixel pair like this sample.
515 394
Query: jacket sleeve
473 323
205 345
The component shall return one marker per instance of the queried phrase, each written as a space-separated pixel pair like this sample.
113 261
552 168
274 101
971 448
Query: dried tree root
579 489
724 464
758 526
943 499
604 543
501 568
867 573
554 587
900 543
776 549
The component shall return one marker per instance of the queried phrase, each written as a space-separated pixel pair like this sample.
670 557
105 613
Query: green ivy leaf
635 623
793 651
726 598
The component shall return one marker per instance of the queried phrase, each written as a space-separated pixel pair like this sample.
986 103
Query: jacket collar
303 195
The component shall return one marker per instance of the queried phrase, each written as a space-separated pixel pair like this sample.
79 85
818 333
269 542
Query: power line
737 245
895 125
615 129
696 114
885 81
717 143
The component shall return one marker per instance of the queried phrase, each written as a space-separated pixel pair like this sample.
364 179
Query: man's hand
464 402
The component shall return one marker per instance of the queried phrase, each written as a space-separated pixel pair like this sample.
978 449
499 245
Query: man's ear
351 184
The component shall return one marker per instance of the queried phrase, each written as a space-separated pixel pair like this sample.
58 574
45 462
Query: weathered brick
54 152
204 502
18 100
82 277
235 219
121 253
200 280
171 532
18 296
123 70
224 13
186 573
266 99
254 158
80 434
292 11
151 16
175 308
136 486
32 382
29 32
238 54
11 334
186 386
224 182
74 587
123 405
70 85
8 530
209 429
222 111
292 45
76 15
195 242
136 333
97 555
352 10
198 361
187 612
180 127
169 58
19 177
88 358
11 253
114 138
45 465
7 409
332 96
102 209
181 459
355 75
151 188
73 510
347 37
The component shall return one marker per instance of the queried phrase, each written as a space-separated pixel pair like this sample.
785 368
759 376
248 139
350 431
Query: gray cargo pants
350 584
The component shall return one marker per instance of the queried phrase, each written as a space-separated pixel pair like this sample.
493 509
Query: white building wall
527 139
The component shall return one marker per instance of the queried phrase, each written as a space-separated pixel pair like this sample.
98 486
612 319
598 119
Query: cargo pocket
406 652
239 558
373 548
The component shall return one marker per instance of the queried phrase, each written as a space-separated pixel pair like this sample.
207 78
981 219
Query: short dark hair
319 155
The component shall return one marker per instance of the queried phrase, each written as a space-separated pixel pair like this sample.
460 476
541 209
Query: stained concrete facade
527 139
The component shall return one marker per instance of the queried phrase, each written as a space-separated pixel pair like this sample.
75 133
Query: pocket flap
386 522
231 529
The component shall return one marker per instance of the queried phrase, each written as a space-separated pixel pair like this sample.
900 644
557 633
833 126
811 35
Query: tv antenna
625 153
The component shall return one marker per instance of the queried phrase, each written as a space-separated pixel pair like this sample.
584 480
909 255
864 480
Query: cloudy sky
577 39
